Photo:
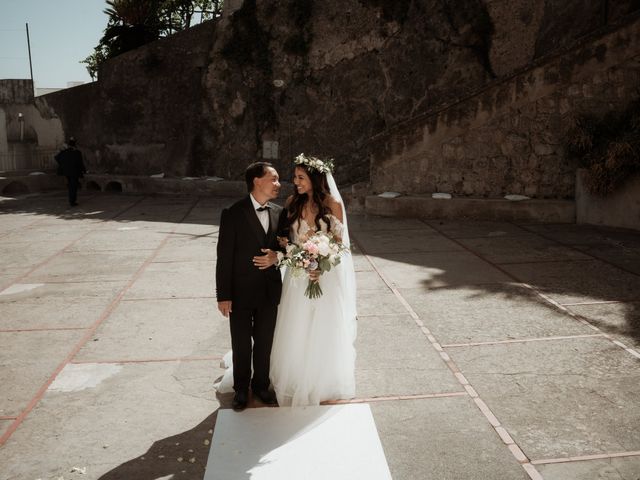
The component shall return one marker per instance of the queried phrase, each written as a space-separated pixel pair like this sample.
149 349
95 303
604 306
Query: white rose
324 249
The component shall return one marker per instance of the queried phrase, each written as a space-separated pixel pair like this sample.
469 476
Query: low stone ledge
153 185
543 211
12 184
618 209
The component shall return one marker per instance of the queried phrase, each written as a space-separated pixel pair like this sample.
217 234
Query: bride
313 357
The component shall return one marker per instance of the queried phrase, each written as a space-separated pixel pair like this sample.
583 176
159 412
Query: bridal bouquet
318 253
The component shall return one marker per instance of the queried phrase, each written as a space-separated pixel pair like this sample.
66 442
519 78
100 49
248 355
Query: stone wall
324 78
508 138
145 114
16 91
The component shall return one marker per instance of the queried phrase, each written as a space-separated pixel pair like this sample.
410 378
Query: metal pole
30 64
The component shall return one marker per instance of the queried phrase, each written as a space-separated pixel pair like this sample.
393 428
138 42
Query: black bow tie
262 209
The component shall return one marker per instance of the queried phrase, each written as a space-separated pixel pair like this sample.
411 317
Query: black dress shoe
266 396
240 400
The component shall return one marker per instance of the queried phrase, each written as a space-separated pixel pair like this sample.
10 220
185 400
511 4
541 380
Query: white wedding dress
313 356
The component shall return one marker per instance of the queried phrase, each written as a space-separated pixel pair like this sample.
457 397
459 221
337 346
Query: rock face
347 70
340 78
508 137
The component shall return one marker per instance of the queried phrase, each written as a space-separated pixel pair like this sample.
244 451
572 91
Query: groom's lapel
252 218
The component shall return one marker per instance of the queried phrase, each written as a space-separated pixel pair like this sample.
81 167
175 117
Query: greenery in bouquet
319 253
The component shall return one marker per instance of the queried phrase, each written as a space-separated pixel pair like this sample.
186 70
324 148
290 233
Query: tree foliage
180 14
607 147
133 23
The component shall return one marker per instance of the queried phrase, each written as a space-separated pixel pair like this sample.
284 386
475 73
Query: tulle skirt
313 354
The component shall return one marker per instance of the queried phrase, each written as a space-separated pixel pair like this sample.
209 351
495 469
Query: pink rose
310 247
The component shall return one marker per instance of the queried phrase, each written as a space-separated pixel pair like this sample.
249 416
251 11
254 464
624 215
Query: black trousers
246 324
72 187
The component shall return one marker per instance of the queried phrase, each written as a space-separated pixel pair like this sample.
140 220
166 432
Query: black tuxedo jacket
240 238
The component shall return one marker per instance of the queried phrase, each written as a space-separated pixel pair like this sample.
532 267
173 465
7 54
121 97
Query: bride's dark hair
320 193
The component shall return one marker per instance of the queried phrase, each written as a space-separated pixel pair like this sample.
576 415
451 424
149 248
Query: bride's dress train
225 384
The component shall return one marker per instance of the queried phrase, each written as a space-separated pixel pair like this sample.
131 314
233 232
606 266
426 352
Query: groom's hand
225 307
265 261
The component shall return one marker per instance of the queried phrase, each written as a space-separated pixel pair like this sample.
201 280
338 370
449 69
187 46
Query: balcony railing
29 158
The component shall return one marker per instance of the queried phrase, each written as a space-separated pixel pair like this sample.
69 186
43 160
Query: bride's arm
336 211
335 207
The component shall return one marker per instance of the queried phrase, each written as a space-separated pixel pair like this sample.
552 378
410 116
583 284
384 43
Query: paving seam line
521 340
42 329
603 302
64 282
584 458
149 360
388 398
502 433
547 298
404 252
539 262
105 314
142 299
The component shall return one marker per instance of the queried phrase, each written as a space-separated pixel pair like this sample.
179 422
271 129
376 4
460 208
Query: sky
62 33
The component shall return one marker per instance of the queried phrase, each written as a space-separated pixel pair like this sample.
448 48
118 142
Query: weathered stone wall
320 77
145 114
508 138
16 91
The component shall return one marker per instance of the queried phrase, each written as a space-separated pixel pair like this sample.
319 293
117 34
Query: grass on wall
608 147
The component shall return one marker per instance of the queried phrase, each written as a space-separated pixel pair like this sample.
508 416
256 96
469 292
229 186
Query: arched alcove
14 189
113 187
93 186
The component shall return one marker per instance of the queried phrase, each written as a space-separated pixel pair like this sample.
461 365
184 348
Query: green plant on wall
607 147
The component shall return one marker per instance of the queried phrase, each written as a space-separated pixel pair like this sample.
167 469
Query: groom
248 285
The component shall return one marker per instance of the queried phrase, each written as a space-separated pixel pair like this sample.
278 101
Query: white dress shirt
263 216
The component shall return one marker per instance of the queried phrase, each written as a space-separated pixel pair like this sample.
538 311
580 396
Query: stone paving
486 350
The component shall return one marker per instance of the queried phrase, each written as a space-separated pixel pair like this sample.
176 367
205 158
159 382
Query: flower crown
314 163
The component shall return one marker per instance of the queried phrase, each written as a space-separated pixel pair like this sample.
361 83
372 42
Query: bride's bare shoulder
334 205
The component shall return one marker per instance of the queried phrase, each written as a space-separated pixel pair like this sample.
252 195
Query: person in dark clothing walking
71 165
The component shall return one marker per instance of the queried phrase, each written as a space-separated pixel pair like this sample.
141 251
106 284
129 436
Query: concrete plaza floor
486 350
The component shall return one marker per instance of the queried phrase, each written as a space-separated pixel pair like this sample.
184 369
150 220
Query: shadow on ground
180 456
594 272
